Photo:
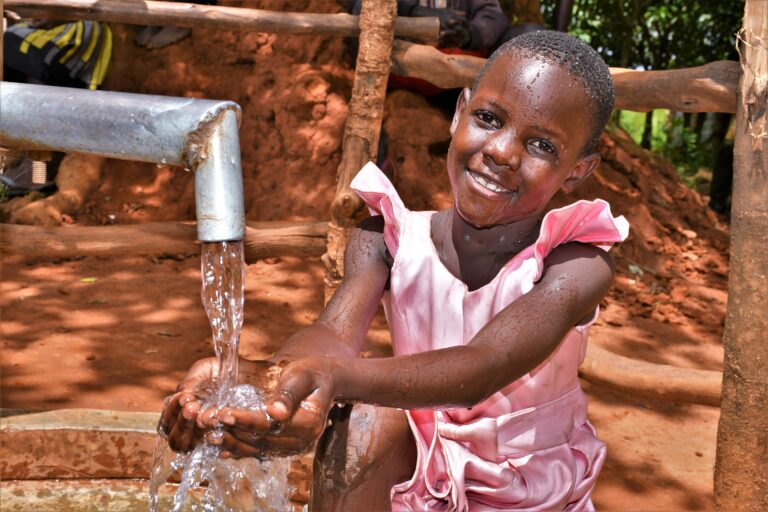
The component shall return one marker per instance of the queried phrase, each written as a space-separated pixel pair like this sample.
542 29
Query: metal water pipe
201 135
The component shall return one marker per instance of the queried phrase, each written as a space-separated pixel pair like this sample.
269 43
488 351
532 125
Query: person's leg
364 452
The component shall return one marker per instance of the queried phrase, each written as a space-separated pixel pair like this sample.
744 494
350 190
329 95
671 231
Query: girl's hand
180 410
295 417
184 420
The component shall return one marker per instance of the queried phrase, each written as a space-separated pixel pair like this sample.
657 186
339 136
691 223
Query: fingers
182 430
208 418
258 422
265 436
292 388
172 407
239 444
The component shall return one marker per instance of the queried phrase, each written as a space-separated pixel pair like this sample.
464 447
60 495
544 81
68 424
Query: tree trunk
647 130
361 133
741 464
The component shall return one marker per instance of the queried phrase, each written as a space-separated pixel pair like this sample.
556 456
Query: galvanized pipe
201 135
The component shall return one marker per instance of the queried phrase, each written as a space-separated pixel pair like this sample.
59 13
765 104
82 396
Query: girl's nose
502 153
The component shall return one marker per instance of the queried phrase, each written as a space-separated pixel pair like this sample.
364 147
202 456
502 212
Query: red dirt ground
119 332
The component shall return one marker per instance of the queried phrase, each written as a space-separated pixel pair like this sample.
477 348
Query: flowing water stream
208 482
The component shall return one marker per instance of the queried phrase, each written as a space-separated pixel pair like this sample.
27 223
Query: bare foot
142 38
167 36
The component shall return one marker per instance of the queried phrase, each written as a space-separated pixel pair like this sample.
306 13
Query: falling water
229 485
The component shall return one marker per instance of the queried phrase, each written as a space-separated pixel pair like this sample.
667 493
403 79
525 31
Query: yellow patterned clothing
74 54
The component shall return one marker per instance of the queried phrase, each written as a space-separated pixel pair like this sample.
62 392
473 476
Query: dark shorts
21 67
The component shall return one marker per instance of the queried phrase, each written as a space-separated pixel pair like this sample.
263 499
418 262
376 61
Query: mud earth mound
122 331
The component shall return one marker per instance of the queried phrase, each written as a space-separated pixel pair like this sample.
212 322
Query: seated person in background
65 54
473 27
49 52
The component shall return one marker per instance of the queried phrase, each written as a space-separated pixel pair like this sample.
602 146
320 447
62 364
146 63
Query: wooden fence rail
262 240
211 16
708 88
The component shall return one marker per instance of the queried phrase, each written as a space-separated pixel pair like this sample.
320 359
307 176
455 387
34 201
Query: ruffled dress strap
382 199
589 222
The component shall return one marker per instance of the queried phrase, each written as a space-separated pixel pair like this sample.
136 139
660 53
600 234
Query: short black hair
578 58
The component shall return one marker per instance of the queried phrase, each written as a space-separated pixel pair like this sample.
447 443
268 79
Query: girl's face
517 141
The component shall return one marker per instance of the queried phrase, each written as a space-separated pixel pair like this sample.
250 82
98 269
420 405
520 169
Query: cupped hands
295 415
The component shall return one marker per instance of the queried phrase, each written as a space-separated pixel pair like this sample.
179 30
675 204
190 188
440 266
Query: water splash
226 484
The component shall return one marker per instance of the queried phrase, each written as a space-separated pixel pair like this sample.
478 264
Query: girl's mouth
486 183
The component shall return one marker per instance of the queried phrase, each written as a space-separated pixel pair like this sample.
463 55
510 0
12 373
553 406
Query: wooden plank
262 240
226 18
661 382
741 461
708 88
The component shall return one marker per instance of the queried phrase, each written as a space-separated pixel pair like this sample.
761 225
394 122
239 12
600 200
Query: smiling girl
489 304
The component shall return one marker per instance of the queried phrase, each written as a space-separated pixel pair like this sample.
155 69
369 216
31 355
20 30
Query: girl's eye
545 146
488 118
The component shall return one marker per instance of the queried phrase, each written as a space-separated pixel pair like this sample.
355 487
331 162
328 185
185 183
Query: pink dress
528 446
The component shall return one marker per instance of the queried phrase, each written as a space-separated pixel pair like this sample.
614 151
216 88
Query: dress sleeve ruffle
382 199
589 222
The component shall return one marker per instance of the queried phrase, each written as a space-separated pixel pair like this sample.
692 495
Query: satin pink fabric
528 446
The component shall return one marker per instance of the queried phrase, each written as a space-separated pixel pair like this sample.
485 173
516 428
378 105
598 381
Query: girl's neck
496 241
475 255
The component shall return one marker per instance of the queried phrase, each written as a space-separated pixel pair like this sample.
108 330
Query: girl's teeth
487 184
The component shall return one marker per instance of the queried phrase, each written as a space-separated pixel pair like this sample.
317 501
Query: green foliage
673 139
656 34
660 34
633 123
684 150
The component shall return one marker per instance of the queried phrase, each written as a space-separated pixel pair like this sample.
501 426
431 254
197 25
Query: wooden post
741 464
2 32
361 133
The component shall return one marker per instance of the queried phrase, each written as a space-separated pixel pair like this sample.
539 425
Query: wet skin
516 142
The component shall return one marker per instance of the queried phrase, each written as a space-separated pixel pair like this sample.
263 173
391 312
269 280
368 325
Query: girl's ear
581 171
461 104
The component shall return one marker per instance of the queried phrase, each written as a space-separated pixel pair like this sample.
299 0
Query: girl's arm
339 332
341 328
516 341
